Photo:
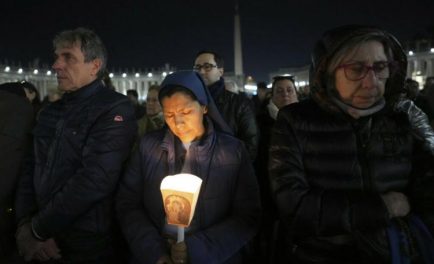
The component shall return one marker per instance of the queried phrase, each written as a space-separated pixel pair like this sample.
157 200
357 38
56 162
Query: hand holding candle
180 193
178 253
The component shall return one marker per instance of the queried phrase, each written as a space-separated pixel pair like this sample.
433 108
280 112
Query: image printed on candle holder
178 210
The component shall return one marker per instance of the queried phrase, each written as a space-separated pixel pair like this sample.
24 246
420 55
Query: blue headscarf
192 81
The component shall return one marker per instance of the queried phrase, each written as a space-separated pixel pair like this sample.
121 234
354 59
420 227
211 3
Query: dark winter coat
80 145
238 112
265 124
16 122
228 208
328 170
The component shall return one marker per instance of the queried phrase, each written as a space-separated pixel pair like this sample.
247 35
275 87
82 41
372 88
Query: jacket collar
217 88
82 93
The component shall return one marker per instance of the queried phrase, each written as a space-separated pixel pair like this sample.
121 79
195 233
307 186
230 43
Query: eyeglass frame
390 66
198 67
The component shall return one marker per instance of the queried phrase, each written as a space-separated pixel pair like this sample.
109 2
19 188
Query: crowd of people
337 172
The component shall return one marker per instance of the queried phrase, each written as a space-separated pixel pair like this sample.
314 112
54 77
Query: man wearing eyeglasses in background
236 109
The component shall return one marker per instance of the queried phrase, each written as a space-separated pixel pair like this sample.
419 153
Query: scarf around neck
273 110
356 113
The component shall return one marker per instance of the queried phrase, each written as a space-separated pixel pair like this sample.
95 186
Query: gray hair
353 44
90 44
350 47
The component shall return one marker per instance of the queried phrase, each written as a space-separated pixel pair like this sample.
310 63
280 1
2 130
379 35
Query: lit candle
180 193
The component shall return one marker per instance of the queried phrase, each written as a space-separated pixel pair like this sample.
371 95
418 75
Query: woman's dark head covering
13 87
193 82
29 86
336 39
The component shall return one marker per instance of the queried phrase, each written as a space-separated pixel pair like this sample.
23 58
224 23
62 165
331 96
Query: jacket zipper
362 146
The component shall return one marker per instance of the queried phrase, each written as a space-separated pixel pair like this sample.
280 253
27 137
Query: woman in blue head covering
197 141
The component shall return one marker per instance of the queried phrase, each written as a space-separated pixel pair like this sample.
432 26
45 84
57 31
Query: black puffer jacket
80 145
328 170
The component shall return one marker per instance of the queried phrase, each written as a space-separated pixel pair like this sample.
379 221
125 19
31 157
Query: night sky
144 34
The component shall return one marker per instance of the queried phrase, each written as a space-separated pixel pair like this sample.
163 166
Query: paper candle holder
180 193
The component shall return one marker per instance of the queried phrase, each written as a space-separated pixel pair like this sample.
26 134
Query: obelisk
238 54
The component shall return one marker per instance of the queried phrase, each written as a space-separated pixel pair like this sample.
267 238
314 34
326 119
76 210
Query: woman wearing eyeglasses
353 162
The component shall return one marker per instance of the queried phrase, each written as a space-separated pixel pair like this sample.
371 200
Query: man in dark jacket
64 198
236 109
16 121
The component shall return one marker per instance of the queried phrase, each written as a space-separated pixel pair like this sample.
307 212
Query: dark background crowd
321 174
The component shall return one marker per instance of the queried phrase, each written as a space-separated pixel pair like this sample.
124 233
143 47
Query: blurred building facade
420 55
45 79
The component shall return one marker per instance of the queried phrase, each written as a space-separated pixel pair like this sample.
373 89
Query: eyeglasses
206 66
358 70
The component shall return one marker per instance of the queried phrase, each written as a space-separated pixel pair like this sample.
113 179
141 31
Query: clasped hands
397 204
178 254
31 248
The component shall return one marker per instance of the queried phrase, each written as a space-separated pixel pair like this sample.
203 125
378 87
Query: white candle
180 234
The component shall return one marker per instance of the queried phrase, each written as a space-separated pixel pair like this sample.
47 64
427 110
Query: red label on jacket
118 118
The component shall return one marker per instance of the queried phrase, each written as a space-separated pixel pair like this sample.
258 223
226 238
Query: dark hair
13 87
133 93
29 86
107 80
262 85
90 44
411 88
218 59
172 89
280 78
